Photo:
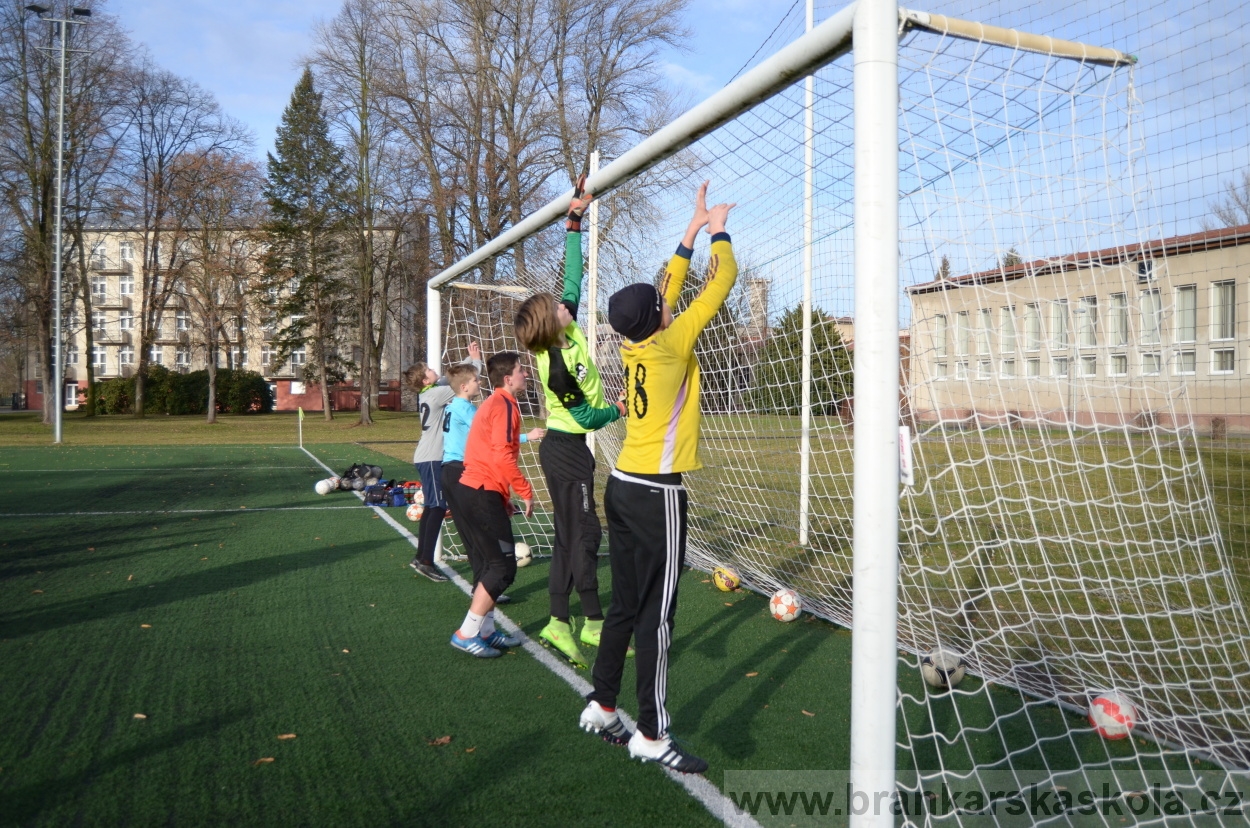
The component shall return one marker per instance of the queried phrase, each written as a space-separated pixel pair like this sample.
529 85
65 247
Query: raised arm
679 264
722 272
571 296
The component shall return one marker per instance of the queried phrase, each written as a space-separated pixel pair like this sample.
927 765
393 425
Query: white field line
699 787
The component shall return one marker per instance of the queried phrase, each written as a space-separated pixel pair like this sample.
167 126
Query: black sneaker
666 752
429 571
504 599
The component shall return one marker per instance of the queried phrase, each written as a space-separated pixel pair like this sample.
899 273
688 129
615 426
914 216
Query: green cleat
591 632
560 635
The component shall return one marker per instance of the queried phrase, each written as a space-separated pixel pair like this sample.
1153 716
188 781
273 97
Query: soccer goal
937 407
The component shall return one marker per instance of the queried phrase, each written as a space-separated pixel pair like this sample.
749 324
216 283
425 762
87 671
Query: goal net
1063 532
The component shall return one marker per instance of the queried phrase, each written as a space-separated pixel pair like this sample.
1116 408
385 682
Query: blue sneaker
500 639
474 646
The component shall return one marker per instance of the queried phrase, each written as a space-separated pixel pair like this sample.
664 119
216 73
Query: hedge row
168 392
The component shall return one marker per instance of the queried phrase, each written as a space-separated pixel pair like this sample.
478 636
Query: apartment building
1147 333
249 341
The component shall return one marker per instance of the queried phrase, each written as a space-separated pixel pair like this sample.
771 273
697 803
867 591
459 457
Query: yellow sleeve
722 274
675 275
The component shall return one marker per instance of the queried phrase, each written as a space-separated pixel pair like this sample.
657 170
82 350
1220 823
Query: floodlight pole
874 646
61 26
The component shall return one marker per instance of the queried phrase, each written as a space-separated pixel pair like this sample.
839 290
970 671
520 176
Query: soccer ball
726 580
324 487
415 511
1112 715
785 605
942 668
524 557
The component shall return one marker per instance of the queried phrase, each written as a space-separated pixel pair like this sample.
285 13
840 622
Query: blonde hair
414 377
537 323
459 374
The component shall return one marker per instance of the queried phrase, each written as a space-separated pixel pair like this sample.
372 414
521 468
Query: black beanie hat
634 311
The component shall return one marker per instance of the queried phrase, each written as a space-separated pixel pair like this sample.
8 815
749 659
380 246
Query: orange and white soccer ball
415 511
1112 715
785 605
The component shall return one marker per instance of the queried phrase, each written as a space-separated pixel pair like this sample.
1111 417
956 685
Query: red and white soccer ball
785 605
1112 715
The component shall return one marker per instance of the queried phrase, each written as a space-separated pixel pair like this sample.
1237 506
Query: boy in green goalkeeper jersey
548 328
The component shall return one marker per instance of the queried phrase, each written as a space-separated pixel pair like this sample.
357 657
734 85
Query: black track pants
647 547
569 467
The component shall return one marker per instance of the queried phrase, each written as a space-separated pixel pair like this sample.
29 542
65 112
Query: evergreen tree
308 292
777 384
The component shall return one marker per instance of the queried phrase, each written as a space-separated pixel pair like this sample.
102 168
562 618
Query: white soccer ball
1112 715
785 605
942 668
324 487
415 511
524 556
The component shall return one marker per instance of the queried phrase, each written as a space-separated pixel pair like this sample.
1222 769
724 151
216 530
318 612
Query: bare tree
219 272
173 122
1234 209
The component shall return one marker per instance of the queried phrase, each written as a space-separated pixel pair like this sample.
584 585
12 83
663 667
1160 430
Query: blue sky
247 53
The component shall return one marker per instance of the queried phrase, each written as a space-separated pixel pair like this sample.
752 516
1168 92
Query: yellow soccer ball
726 580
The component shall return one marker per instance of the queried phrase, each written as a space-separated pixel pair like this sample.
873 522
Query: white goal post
1059 554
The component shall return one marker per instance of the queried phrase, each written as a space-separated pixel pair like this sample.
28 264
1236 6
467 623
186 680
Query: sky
248 53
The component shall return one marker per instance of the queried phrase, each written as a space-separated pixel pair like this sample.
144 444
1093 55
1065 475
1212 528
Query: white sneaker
665 751
604 722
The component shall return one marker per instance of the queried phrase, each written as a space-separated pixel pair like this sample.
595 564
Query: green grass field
174 598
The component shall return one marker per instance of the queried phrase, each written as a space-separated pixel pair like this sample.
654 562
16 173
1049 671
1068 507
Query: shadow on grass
46 552
465 799
171 590
24 804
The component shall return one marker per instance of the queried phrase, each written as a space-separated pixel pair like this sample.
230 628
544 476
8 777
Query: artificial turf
166 614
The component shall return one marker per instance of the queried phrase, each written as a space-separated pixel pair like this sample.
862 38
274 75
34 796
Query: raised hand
717 216
577 207
475 351
700 218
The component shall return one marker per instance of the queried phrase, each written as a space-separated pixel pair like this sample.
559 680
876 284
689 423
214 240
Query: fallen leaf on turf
705 581
470 750
90 548
145 626
752 675
440 741
285 736
203 559
130 577
346 651
805 713
140 715
36 592
264 760
729 603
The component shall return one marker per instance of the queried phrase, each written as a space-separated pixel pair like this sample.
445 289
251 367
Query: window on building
1008 369
939 370
97 321
1186 313
299 356
1150 317
99 285
266 356
1033 367
1007 330
1059 337
1117 321
939 333
182 358
1146 270
126 251
126 356
1119 365
156 355
1186 363
963 334
1223 310
1032 328
985 330
98 258
238 358
1059 367
961 369
126 321
126 284
1151 364
182 320
1089 366
71 355
985 369
1222 361
1087 322
99 357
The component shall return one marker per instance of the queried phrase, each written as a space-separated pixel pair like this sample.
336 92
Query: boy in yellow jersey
645 501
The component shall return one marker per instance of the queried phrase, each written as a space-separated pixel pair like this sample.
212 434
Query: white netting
1068 529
